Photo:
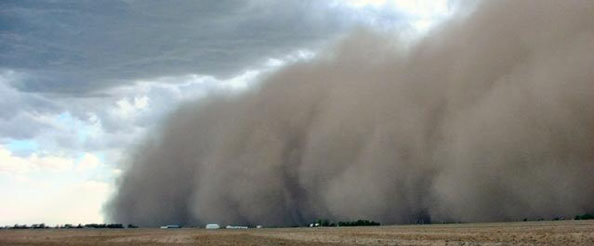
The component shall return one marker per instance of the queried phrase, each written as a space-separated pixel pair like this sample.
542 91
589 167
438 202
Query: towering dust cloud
488 118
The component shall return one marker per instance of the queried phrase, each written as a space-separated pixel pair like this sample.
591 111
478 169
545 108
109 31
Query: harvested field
517 233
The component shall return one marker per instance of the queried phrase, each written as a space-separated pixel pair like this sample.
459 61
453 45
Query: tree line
70 226
328 223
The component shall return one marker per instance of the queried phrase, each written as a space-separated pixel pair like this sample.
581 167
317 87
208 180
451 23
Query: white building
212 226
170 226
236 227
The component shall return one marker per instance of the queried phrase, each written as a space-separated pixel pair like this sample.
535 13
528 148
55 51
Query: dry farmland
519 233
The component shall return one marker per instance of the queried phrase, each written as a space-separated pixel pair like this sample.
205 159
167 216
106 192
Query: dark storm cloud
20 112
488 118
79 47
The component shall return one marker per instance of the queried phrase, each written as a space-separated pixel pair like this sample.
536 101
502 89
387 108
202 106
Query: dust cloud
489 117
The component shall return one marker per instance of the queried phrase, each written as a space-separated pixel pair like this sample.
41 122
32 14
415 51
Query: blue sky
82 81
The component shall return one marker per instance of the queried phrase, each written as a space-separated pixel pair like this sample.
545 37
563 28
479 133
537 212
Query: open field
517 233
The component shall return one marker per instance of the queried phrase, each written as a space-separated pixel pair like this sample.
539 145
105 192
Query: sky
82 81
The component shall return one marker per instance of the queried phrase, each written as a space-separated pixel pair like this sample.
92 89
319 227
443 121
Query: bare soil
516 233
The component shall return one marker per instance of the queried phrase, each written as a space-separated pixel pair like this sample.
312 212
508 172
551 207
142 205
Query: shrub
584 217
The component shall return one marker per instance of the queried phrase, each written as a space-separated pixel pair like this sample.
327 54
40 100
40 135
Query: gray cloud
79 58
20 113
78 47
487 118
11 97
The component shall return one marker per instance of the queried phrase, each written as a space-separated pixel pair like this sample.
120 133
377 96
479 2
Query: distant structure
170 226
259 226
236 227
212 226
